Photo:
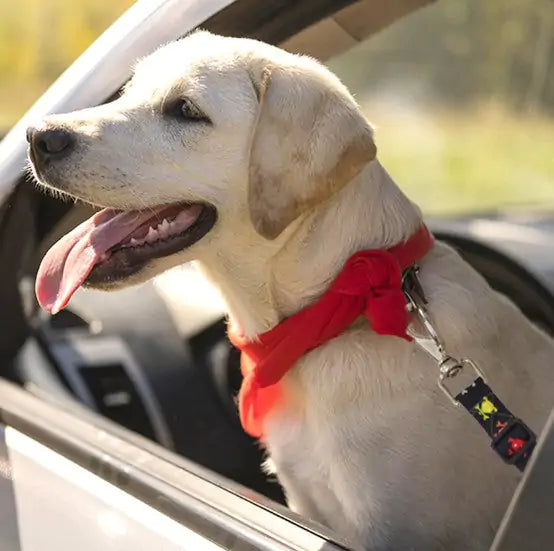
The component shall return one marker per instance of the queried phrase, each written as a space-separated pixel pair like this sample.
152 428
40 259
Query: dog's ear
309 141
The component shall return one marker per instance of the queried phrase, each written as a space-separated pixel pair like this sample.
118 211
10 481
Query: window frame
222 511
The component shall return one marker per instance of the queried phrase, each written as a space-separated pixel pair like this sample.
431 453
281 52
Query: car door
70 480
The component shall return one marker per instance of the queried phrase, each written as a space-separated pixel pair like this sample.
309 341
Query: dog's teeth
163 228
152 235
134 242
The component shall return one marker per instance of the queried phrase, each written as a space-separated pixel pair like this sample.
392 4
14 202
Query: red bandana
370 284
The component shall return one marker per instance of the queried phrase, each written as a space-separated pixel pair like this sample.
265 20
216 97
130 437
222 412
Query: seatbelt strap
510 437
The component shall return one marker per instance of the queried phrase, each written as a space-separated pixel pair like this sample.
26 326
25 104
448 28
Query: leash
510 437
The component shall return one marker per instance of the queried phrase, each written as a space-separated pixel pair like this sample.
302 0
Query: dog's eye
189 110
185 109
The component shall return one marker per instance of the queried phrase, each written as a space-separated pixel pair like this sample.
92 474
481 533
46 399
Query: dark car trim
273 21
159 478
507 276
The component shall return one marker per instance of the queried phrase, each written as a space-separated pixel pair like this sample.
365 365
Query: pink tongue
68 263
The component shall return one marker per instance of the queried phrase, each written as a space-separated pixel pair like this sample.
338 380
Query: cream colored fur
364 441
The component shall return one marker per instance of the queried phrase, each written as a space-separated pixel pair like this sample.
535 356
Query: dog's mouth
113 245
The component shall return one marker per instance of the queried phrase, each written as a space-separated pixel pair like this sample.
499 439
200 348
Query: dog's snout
50 143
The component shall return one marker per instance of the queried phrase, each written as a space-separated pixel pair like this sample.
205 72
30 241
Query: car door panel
82 482
62 506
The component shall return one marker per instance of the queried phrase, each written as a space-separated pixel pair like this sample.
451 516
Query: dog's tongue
68 263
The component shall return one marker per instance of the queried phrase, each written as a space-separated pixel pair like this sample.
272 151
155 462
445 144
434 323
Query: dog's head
211 134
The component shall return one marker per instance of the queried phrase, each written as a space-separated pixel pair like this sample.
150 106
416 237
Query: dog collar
370 284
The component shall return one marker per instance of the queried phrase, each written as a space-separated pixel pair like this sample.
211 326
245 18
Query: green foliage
39 39
461 51
462 93
476 159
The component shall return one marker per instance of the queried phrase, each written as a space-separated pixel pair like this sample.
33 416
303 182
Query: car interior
155 358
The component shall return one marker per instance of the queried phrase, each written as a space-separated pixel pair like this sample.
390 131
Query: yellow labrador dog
259 165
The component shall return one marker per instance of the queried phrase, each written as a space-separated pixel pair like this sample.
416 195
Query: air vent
116 397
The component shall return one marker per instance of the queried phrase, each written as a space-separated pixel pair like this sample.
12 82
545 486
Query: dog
259 165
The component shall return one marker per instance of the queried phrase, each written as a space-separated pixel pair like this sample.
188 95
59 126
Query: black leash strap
510 437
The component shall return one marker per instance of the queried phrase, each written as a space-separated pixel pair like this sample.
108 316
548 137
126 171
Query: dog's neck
266 281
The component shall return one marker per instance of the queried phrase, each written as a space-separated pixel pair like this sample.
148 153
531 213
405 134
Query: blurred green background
39 39
461 92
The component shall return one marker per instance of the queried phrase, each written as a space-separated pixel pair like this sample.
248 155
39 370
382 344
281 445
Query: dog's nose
49 143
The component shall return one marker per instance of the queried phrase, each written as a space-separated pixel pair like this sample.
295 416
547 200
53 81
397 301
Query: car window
69 479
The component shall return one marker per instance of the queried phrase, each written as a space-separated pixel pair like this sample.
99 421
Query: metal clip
432 344
452 367
449 367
